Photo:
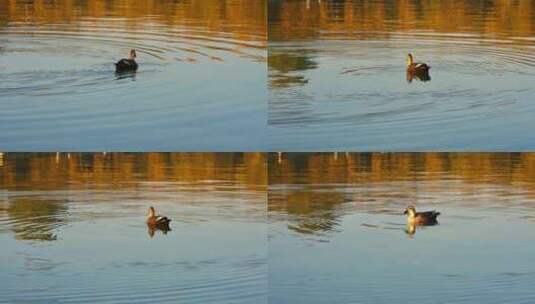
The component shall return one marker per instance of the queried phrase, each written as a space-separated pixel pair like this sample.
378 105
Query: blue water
200 86
338 234
73 230
337 76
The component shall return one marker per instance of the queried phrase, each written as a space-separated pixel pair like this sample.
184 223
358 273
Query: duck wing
421 66
428 214
162 220
126 64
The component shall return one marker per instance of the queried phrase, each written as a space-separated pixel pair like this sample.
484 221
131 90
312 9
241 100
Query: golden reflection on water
244 18
306 19
35 213
405 24
331 172
342 215
52 171
36 219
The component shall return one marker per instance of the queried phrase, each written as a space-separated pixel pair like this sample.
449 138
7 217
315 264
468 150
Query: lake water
72 228
337 75
338 234
201 80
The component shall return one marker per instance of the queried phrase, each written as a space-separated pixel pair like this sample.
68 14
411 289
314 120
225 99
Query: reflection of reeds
244 18
32 217
296 20
311 183
318 168
50 171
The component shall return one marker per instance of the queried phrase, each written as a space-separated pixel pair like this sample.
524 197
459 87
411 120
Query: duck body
157 220
416 67
417 70
425 218
127 64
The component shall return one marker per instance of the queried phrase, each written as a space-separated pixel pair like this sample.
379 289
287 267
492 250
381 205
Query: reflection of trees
348 168
313 195
323 223
248 16
363 20
282 67
290 20
36 219
50 171
313 212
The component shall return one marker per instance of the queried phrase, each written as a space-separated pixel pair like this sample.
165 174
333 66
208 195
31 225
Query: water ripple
82 53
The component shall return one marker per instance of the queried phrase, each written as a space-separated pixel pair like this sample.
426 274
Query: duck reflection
125 75
151 230
157 222
410 230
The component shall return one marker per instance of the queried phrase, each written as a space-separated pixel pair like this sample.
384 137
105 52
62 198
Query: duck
127 64
425 218
157 220
416 67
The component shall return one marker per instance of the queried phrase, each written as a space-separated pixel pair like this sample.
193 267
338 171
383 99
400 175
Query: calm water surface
201 80
72 228
337 232
337 75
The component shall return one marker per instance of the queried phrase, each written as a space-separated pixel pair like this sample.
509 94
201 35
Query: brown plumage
421 218
417 70
416 67
157 220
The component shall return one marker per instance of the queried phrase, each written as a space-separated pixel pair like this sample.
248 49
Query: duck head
410 210
410 61
152 212
133 54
